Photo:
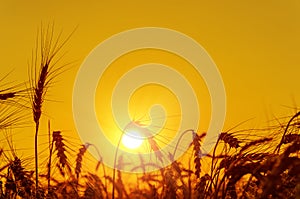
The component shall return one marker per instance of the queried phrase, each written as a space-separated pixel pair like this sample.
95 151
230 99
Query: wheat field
242 165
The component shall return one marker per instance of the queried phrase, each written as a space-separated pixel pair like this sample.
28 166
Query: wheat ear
45 58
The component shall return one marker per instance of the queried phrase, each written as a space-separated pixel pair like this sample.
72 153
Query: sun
132 140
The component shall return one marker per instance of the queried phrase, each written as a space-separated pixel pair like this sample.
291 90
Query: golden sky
255 45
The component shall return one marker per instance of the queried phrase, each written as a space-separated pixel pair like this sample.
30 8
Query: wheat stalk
45 60
50 157
285 131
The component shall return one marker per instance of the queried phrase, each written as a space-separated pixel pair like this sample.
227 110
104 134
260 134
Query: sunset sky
254 44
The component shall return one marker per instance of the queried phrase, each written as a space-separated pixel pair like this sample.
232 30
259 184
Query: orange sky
254 44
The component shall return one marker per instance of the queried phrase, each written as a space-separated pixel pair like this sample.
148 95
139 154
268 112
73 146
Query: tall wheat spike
43 70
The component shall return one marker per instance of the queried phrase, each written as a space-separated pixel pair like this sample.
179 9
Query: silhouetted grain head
79 156
289 138
229 139
197 152
13 94
155 147
21 178
13 101
6 96
60 149
44 67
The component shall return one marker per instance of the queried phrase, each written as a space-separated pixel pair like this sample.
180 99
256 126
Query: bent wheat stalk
277 149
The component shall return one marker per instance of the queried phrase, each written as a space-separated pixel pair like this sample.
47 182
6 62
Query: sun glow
132 140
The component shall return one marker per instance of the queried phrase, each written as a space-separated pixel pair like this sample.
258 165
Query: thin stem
189 181
50 155
186 131
36 158
115 160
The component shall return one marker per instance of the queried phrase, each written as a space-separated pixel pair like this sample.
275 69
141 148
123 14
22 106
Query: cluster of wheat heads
13 105
239 167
